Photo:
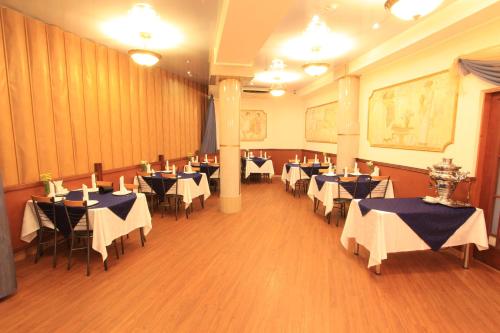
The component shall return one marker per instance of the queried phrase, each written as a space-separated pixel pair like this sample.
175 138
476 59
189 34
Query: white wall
285 120
469 107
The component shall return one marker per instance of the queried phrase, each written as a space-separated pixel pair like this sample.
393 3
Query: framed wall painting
416 115
253 125
321 123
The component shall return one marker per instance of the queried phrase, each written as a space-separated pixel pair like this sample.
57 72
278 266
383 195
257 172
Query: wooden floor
274 267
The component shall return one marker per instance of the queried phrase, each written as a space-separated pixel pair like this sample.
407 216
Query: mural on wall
321 123
417 114
253 125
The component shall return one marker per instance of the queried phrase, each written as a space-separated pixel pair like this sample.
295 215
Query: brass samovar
445 177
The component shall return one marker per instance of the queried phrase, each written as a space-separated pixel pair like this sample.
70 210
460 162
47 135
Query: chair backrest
379 190
49 214
77 212
104 183
143 185
345 183
169 177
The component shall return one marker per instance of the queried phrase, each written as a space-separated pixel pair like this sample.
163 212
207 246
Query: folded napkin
85 191
52 190
345 172
92 179
215 160
122 184
174 169
148 168
376 171
59 188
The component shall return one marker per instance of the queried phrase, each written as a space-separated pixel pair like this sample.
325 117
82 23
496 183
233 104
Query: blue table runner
162 185
120 205
434 224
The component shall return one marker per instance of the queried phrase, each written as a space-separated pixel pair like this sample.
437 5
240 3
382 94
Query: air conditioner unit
255 90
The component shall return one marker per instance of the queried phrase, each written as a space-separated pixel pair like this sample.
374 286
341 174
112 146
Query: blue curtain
488 70
209 143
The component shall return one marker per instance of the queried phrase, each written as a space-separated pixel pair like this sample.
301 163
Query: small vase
46 187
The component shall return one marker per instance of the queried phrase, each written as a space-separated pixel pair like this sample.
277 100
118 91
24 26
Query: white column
229 136
348 122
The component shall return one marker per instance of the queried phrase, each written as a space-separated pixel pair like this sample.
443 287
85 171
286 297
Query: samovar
445 177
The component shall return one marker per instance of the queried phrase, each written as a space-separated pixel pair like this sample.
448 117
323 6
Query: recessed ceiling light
189 73
188 61
376 26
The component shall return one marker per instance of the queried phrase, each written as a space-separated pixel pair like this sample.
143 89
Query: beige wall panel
182 116
134 112
158 110
114 109
89 76
166 115
20 95
143 113
177 117
150 105
60 101
43 116
103 106
8 162
76 104
125 109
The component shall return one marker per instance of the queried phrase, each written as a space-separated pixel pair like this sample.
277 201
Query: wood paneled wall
67 102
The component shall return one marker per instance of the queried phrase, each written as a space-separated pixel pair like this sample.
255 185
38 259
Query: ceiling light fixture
276 74
316 69
376 26
277 90
410 9
144 57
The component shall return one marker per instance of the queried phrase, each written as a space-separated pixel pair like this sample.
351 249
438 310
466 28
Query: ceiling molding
448 21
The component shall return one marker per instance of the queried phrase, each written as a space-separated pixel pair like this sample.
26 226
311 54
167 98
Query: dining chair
46 219
344 196
144 188
77 215
302 183
171 194
379 190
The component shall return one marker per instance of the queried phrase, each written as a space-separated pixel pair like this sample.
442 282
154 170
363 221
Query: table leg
466 256
377 269
356 248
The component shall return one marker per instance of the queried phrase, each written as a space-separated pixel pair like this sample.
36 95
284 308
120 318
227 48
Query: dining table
189 185
257 165
294 171
386 226
111 217
325 188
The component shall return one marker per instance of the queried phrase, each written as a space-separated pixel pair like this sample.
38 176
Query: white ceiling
195 18
353 18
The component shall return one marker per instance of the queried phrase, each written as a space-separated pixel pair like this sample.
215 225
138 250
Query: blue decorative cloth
196 176
159 184
209 142
259 161
207 169
321 179
309 170
434 224
362 188
488 70
120 205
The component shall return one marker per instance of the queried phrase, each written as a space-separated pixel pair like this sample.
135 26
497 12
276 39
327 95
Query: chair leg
88 256
187 210
123 248
338 217
38 246
116 250
176 208
54 257
71 251
202 201
106 265
143 238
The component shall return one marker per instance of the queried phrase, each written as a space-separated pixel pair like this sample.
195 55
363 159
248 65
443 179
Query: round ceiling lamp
410 9
277 90
144 57
316 69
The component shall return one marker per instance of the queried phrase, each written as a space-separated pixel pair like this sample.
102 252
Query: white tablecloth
107 225
384 232
187 188
295 173
251 167
330 191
